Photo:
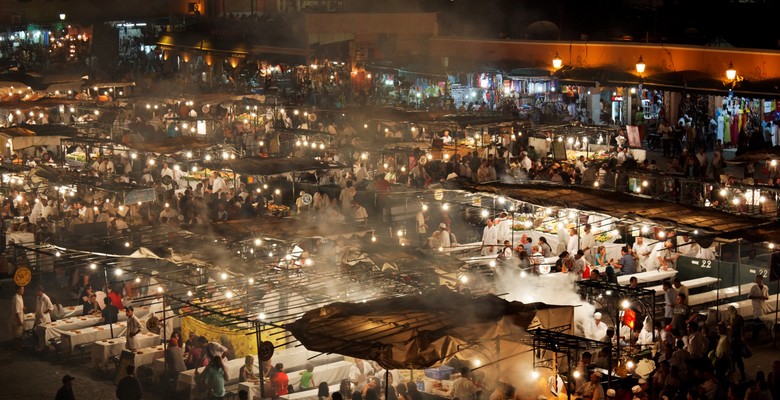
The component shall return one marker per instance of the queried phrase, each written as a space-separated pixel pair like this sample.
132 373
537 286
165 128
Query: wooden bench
690 284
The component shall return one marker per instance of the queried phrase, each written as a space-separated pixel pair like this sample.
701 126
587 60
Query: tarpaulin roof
171 145
623 205
274 166
25 135
420 331
284 229
753 156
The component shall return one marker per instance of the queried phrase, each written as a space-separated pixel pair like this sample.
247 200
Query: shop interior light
640 66
731 72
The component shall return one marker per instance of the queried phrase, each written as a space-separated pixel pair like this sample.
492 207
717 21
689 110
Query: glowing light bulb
228 294
723 192
630 365
485 213
189 293
224 276
576 374
535 374
445 206
117 272
93 266
138 280
425 207
127 244
258 242
261 316
477 362
373 238
625 304
464 279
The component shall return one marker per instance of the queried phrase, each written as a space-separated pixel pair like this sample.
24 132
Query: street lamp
62 17
557 62
640 66
731 72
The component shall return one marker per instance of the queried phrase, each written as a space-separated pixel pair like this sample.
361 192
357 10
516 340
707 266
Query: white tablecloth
331 373
103 350
744 308
71 339
715 295
187 378
53 330
147 355
647 277
309 394
690 284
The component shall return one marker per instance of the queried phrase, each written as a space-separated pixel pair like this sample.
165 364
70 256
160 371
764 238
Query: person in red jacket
280 380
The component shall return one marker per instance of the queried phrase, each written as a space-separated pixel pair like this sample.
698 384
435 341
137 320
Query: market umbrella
421 331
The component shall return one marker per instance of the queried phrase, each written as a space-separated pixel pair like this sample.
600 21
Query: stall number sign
702 263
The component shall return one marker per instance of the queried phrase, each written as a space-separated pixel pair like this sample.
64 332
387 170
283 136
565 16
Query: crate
441 373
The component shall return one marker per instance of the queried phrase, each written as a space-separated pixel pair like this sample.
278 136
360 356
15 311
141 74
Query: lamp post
557 62
640 69
731 75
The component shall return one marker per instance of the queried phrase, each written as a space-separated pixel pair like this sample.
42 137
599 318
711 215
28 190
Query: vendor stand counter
71 339
103 350
613 249
310 394
331 373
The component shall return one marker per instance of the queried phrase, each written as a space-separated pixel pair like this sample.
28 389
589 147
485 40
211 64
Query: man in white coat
43 307
489 238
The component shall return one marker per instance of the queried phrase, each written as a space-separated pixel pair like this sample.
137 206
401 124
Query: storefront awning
191 41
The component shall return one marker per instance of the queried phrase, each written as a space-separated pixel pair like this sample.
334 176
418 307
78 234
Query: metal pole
111 325
260 361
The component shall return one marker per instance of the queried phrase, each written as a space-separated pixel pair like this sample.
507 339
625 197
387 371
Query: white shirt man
525 162
660 257
17 313
503 228
574 242
686 246
422 227
358 373
489 238
588 243
445 236
133 329
641 251
359 213
596 329
759 294
43 307
463 388
166 171
217 184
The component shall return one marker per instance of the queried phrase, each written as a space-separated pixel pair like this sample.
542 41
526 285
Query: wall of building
751 64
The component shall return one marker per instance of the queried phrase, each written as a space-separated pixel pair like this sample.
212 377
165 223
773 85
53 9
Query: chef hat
636 389
597 315
642 381
611 393
443 225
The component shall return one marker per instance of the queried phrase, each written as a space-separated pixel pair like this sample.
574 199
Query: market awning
689 80
24 135
622 205
604 76
756 156
421 331
292 229
191 41
171 145
273 166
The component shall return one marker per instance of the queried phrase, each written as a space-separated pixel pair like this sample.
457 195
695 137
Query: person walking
129 388
213 378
